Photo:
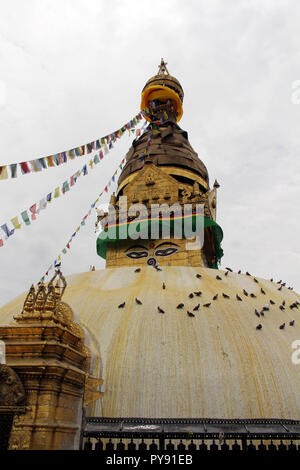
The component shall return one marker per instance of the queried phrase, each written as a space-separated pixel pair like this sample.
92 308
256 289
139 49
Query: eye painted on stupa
166 249
137 252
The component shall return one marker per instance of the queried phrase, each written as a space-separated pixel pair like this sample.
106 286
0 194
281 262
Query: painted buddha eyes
142 252
165 251
137 254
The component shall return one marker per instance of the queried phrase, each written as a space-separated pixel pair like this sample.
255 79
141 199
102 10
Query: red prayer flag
33 210
1 242
24 167
101 154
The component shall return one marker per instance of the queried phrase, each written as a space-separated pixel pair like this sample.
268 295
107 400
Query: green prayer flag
96 159
25 217
13 169
65 187
42 162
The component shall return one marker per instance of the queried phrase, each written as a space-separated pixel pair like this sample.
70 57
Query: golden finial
40 297
29 301
59 290
162 68
50 302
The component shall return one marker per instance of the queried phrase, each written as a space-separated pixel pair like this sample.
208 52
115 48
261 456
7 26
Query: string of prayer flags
64 251
35 208
30 214
43 163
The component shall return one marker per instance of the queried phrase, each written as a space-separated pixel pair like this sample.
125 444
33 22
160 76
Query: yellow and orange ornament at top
163 87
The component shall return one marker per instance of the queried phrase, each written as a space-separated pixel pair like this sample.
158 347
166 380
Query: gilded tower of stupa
172 337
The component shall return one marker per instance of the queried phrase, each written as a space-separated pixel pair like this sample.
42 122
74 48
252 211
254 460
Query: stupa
174 339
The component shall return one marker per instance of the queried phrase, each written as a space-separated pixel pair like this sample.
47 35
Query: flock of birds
261 313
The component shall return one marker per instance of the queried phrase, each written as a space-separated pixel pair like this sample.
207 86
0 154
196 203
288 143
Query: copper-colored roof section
169 147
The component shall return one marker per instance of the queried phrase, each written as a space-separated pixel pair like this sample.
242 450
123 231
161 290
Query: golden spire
29 301
59 289
40 297
162 68
50 302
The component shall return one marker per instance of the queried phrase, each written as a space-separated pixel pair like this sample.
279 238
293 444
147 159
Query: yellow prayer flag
15 222
56 192
3 173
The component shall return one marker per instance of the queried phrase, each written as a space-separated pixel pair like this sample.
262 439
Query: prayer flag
89 147
65 187
25 217
50 161
13 170
3 173
56 192
34 211
34 166
71 154
42 204
24 168
6 230
56 159
16 223
42 162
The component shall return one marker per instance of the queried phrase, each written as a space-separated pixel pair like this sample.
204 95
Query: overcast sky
72 71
